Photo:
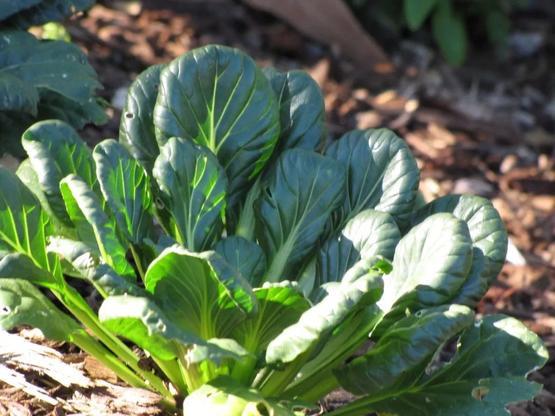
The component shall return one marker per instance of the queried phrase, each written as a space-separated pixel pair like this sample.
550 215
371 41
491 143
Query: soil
480 128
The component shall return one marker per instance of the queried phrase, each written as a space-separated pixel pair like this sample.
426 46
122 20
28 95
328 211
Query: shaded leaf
244 256
416 12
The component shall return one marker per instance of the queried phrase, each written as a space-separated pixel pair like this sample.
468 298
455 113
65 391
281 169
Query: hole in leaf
480 392
4 310
129 115
262 409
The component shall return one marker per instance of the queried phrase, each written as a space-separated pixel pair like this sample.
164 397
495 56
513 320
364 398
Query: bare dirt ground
487 128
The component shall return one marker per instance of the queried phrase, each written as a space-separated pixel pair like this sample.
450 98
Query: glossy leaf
193 288
137 124
23 224
381 174
489 239
244 256
293 209
401 355
430 264
21 303
125 186
217 97
55 151
301 109
367 235
192 191
317 323
93 226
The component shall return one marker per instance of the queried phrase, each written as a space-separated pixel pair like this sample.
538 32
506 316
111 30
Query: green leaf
301 109
17 95
489 239
216 350
498 26
278 307
94 227
294 207
125 186
88 266
193 289
21 303
55 151
192 191
141 321
23 224
401 355
367 235
10 7
244 256
217 97
227 397
317 323
382 174
55 106
21 266
55 65
488 372
416 12
430 264
449 32
137 125
47 11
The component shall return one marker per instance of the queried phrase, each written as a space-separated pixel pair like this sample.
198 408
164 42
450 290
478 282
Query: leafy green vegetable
265 261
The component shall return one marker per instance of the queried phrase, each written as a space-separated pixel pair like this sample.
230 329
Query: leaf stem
138 262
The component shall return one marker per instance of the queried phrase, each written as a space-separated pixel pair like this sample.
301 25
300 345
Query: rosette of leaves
42 79
251 265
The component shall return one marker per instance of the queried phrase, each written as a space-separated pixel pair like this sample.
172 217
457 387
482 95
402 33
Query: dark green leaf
17 95
416 12
217 97
192 190
401 355
94 227
125 186
301 109
10 7
21 303
55 151
294 207
137 124
450 33
430 265
382 174
367 235
244 256
47 11
489 239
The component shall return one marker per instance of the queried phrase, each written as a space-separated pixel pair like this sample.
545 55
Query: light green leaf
382 174
137 126
141 321
294 207
317 323
367 235
278 307
192 191
401 355
416 12
217 97
55 151
23 224
430 264
125 186
301 109
193 289
21 303
449 32
21 266
244 256
227 397
489 239
94 227
216 350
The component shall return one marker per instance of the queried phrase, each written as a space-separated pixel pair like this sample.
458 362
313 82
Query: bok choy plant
251 262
